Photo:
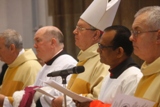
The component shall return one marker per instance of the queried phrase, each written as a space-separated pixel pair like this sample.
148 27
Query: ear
158 37
97 35
53 41
12 47
120 52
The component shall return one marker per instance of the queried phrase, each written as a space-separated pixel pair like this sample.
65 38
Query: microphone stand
64 85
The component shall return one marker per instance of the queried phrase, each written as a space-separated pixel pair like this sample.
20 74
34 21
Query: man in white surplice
49 44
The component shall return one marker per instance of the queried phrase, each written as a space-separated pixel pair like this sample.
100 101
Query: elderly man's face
143 42
43 46
5 52
83 38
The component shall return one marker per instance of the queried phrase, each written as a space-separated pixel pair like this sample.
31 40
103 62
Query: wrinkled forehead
81 22
40 32
140 22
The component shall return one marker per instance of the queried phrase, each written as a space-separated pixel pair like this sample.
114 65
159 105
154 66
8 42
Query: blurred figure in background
22 65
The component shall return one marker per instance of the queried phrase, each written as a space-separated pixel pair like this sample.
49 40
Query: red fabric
27 97
97 103
101 32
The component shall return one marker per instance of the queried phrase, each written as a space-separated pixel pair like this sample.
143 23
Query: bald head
50 32
48 41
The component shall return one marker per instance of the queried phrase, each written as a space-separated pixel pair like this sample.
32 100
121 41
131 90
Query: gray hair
152 18
92 27
12 37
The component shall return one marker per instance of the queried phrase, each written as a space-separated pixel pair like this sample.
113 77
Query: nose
131 38
35 46
75 31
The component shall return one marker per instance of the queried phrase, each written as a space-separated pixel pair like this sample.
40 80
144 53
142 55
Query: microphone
65 72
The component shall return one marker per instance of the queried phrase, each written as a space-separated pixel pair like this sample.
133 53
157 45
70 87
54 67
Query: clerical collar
55 57
117 71
21 52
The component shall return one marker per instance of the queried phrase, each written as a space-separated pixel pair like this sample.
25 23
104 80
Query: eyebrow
37 38
137 28
82 25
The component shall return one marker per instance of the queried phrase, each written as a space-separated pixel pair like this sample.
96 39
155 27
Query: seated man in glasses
89 82
146 40
115 49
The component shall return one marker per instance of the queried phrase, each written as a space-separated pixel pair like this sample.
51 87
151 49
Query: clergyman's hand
1 99
82 104
57 102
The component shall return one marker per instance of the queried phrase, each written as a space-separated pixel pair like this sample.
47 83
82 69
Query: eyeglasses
136 33
82 28
102 46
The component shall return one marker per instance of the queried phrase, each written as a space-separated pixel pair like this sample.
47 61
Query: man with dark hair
115 50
